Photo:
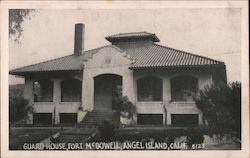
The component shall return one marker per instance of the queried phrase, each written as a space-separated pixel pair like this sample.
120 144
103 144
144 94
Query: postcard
124 79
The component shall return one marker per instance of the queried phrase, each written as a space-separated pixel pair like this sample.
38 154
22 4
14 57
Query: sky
214 33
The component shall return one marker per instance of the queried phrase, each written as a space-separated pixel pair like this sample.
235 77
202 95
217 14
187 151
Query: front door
106 87
103 97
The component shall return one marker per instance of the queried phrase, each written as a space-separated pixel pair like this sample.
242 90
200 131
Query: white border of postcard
5 5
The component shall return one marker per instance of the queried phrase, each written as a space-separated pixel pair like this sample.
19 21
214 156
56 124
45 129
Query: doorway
106 88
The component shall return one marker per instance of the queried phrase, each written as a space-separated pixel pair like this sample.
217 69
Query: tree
124 107
18 106
221 108
19 109
16 18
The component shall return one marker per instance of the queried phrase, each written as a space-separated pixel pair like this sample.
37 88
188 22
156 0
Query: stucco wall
108 60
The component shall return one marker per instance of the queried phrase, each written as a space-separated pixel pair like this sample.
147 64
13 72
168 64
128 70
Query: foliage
194 137
16 90
18 106
124 107
16 17
221 108
18 109
107 131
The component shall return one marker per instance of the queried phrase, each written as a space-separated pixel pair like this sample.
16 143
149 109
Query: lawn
194 137
18 137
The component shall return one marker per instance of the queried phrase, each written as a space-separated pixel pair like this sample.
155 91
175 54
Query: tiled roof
154 56
133 35
147 55
66 63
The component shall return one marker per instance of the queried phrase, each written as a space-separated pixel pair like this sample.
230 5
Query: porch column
128 86
167 98
28 90
57 91
56 99
28 94
87 90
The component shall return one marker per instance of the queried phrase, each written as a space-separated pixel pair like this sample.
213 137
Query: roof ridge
131 33
181 51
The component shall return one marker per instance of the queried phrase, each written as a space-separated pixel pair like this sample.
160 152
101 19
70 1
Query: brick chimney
79 39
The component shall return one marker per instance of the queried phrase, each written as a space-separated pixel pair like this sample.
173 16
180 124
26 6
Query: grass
18 137
159 134
167 135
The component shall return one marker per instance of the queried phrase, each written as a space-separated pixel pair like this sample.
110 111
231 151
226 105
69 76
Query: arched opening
43 91
71 90
149 88
184 88
106 88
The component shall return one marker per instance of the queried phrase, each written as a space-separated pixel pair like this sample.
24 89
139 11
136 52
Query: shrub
18 106
18 109
196 138
124 107
221 108
107 131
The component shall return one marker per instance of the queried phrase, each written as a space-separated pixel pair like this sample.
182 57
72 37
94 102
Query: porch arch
184 88
149 88
43 90
106 88
71 90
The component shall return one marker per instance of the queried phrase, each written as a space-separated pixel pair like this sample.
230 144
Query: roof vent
133 37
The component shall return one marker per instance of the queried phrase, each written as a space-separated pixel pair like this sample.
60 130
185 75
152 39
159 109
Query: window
42 118
149 119
149 89
71 90
184 119
183 88
68 118
43 91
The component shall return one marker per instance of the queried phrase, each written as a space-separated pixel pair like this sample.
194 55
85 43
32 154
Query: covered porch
55 99
168 98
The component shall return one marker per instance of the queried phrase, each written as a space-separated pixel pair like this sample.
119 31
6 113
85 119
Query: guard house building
161 81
